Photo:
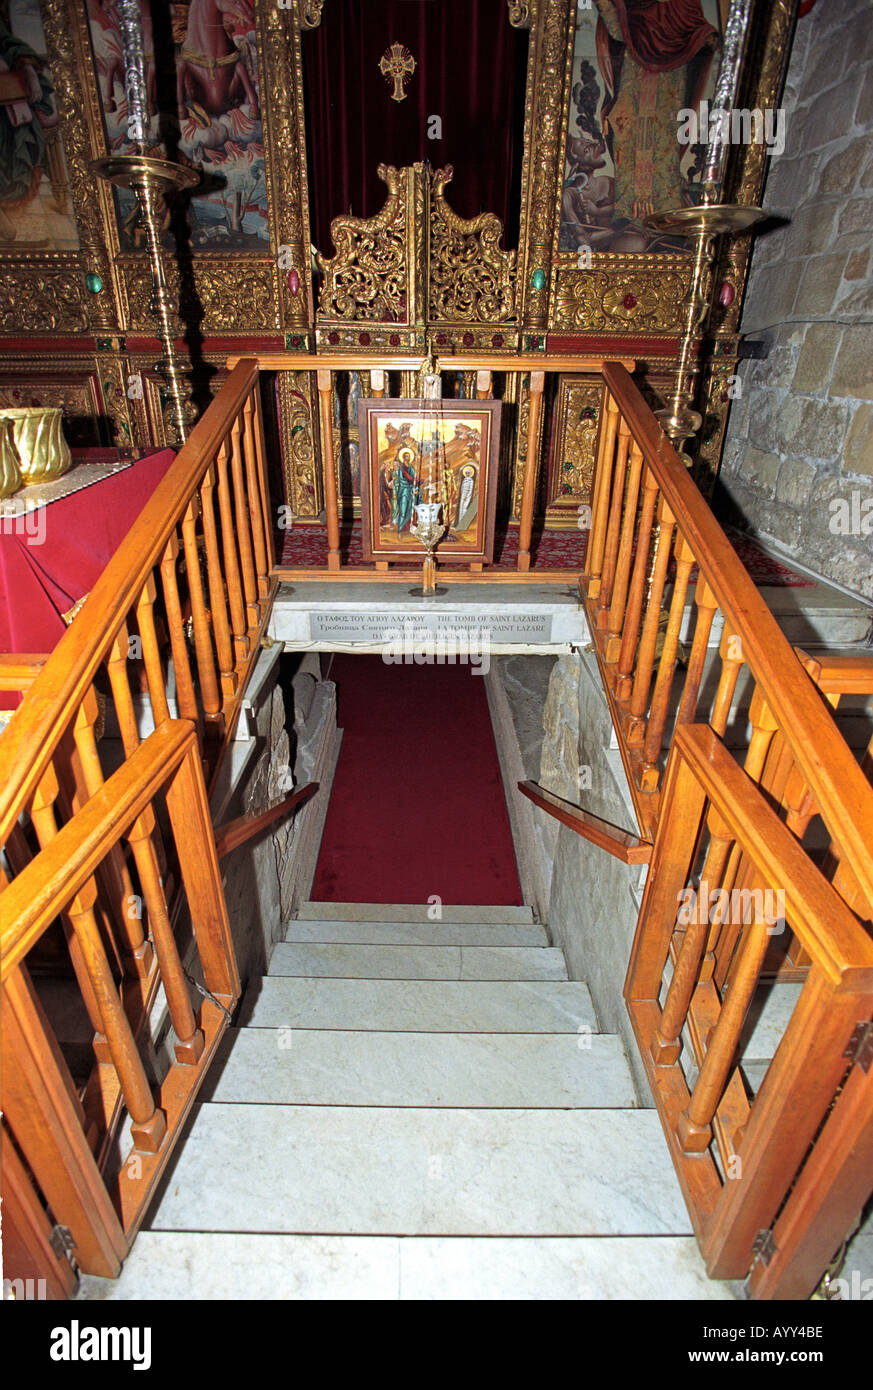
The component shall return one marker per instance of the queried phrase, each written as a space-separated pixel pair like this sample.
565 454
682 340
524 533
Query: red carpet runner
417 806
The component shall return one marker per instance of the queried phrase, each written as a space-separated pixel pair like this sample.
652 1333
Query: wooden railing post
531 470
325 415
47 1126
600 502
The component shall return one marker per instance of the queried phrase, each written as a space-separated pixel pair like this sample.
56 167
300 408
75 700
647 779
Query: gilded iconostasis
464 175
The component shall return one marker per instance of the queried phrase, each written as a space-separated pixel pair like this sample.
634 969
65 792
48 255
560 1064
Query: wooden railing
737 1158
535 366
730 752
109 850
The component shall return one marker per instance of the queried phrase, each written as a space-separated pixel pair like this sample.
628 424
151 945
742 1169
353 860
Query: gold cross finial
397 64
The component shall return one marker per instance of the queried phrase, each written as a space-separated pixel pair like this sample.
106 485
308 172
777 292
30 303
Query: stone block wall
595 899
798 459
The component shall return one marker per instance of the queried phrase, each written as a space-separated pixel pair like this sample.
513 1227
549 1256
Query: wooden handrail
18 670
621 844
827 929
237 832
842 792
839 675
36 895
58 691
463 362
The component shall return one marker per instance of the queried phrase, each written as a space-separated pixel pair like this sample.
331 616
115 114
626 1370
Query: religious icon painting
428 462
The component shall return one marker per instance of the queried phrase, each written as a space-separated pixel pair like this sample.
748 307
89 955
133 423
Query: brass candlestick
151 179
706 221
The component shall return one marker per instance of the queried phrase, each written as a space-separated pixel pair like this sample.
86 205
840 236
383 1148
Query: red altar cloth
46 564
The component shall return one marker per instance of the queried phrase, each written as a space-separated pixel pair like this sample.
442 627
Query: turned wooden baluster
149 1125
694 1127
263 477
325 415
617 607
151 651
244 528
186 696
483 385
732 661
209 693
630 636
666 1043
189 1038
217 604
531 470
259 522
600 505
667 668
707 606
241 640
114 1041
636 729
44 821
747 879
136 953
613 525
377 383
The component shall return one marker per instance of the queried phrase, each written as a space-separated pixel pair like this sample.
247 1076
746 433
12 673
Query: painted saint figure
403 498
468 503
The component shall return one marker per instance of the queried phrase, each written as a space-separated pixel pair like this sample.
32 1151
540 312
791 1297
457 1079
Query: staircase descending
417 1109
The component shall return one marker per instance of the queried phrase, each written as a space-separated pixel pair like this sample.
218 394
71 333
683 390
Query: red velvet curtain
470 67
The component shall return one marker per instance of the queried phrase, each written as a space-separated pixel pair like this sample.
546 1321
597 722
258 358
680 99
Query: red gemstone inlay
333 338
394 340
469 340
293 281
630 301
497 340
364 339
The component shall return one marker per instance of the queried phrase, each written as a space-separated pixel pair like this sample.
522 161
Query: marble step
322 1067
418 962
412 912
416 933
184 1265
428 1006
356 1170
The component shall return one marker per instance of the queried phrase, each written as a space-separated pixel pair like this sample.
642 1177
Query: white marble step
416 933
184 1265
346 1170
412 912
320 1067
562 1006
419 962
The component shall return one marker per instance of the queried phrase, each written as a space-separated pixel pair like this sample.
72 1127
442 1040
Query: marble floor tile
362 1171
533 1070
527 1006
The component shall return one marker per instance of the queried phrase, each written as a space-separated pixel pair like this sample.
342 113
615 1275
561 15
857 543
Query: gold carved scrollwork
310 13
622 296
232 298
296 411
520 13
471 278
38 298
579 402
369 277
545 122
